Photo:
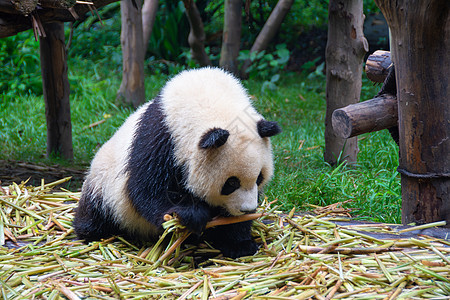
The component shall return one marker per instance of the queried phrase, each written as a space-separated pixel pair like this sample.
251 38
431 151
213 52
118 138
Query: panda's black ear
268 128
214 138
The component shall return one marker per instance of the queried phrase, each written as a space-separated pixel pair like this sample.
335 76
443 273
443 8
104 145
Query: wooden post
421 46
345 51
56 90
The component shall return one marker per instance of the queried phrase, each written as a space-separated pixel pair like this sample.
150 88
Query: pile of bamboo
300 257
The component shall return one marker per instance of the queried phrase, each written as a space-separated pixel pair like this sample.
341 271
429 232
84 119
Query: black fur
233 183
260 179
389 84
234 240
268 128
92 222
155 183
390 87
156 187
214 138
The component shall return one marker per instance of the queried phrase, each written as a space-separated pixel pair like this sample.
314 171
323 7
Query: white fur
194 102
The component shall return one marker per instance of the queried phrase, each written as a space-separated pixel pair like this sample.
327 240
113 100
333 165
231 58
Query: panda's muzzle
242 201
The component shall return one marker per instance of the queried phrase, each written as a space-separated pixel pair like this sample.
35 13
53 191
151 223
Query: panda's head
221 141
236 166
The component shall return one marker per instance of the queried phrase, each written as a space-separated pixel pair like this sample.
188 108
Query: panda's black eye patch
232 184
260 179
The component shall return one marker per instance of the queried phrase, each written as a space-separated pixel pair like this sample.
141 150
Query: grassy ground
303 177
298 104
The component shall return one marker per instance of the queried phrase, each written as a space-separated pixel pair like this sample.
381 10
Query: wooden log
57 3
368 116
13 22
24 7
8 7
377 65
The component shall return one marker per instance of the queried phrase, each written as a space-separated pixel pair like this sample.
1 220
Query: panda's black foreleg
234 240
91 221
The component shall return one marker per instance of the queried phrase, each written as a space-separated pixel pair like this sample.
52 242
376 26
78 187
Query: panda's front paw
194 217
238 248
234 240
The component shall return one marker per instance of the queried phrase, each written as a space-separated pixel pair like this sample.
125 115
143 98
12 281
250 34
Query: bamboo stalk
66 292
172 248
334 290
189 291
347 251
232 220
424 226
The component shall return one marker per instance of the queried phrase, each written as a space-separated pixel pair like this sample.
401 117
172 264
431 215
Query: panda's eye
232 184
260 179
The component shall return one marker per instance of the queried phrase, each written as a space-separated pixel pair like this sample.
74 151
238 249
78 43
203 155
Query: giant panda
198 150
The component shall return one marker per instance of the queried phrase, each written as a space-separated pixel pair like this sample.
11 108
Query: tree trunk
148 20
196 37
269 30
231 38
56 91
420 49
345 51
132 90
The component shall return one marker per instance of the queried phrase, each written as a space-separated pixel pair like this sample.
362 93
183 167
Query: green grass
298 104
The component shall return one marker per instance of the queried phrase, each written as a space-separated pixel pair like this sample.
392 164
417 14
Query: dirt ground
18 171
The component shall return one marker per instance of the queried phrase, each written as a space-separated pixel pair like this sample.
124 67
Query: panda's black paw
239 248
194 217
234 240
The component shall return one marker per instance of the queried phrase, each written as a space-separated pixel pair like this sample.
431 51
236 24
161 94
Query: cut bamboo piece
303 256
